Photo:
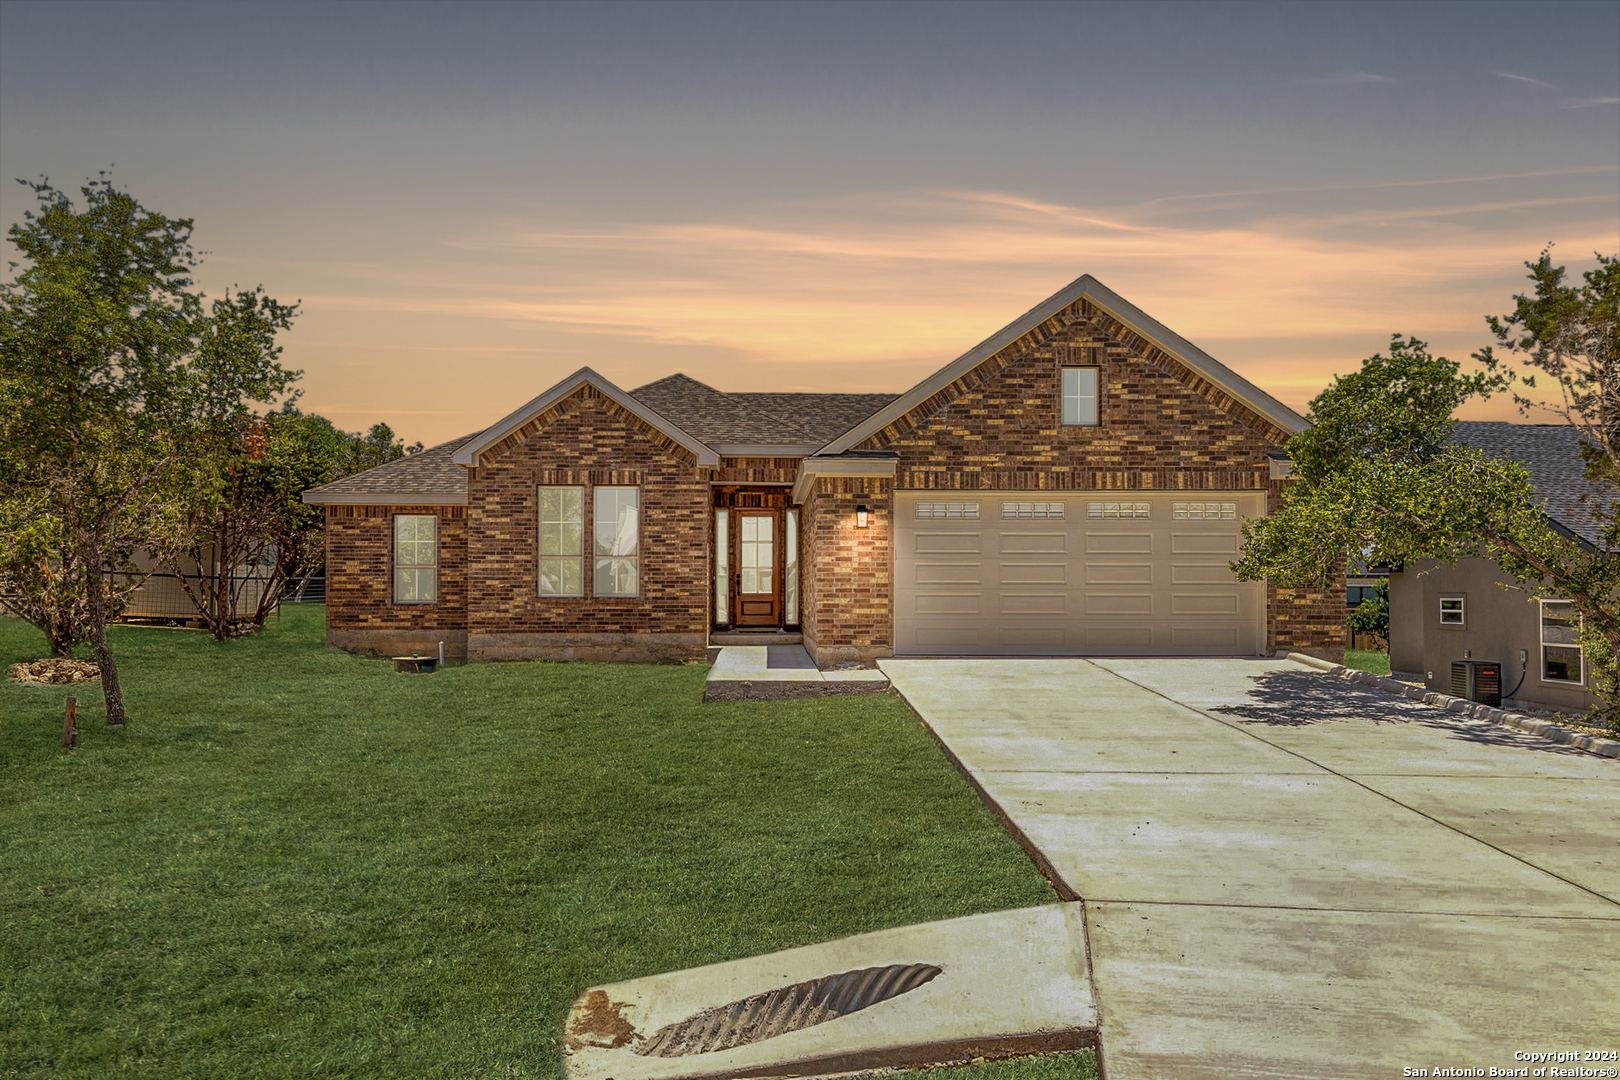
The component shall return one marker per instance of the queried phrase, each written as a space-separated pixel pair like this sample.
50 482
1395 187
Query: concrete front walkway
1288 875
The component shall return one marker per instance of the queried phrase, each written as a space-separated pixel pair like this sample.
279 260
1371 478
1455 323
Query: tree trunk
110 690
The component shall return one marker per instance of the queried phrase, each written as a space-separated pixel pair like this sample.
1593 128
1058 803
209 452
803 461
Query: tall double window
416 558
615 541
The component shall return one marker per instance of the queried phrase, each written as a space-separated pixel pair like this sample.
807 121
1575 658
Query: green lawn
1374 663
294 862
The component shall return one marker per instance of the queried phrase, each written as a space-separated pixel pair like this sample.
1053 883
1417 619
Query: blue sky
473 200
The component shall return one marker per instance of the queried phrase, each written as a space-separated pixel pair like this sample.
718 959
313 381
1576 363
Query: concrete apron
1286 875
1011 982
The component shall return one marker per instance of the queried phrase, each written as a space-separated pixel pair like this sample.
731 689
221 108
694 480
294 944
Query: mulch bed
62 669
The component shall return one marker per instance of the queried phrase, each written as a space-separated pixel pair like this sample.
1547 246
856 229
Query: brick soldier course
1171 420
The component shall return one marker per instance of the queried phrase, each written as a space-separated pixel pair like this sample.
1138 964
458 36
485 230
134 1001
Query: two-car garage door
1089 573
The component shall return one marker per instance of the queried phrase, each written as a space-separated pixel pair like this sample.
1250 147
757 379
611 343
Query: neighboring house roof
429 478
1552 454
1100 296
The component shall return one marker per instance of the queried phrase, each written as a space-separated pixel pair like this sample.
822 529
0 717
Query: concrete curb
1472 709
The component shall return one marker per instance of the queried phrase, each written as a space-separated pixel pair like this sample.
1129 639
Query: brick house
1074 484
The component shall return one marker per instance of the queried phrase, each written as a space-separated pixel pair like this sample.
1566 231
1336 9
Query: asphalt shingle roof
701 411
429 473
713 417
824 416
1552 454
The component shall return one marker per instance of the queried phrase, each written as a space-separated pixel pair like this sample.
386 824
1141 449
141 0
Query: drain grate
791 1008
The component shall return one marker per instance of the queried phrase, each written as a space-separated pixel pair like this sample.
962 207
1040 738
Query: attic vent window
948 510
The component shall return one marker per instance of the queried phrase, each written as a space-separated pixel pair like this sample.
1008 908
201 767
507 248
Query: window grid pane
618 541
1561 654
1451 610
1204 511
1032 510
416 576
948 510
1119 510
1080 396
561 567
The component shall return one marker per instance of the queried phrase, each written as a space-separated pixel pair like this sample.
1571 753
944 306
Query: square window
1080 396
1452 610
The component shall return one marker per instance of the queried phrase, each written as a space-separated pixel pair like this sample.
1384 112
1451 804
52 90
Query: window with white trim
1204 511
416 558
1031 510
1560 643
562 541
1080 396
1453 610
1119 510
947 510
617 518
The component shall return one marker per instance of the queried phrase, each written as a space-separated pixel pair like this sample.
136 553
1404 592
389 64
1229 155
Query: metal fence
162 596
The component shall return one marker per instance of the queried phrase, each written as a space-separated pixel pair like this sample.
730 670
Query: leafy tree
248 517
1371 616
118 378
1379 471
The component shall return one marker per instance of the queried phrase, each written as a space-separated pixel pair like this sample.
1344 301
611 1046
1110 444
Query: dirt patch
599 1022
63 669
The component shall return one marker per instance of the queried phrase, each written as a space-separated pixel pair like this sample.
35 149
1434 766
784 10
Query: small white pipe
441 654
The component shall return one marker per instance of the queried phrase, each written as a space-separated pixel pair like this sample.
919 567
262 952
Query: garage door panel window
1119 510
948 510
1032 510
1204 511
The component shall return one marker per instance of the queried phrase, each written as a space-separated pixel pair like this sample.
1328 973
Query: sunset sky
473 200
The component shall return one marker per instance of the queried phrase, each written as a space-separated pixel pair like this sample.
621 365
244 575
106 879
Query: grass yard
1374 663
295 863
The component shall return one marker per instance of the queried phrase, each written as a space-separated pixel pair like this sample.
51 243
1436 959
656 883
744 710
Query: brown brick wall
848 572
588 441
1311 621
360 570
1162 428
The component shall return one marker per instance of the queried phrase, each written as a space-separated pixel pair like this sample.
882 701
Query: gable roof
1099 295
468 453
1551 452
429 479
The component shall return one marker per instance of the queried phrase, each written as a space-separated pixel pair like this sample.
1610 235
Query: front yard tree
1379 472
119 376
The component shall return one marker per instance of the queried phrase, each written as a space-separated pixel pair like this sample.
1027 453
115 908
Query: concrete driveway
1289 875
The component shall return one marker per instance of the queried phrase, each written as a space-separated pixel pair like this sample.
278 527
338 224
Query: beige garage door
1086 573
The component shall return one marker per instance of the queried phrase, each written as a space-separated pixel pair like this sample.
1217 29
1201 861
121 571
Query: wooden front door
759 569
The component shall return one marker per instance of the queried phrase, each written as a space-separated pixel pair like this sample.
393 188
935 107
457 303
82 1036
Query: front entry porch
756 561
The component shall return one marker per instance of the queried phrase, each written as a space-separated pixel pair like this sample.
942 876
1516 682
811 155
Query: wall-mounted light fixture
862 516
